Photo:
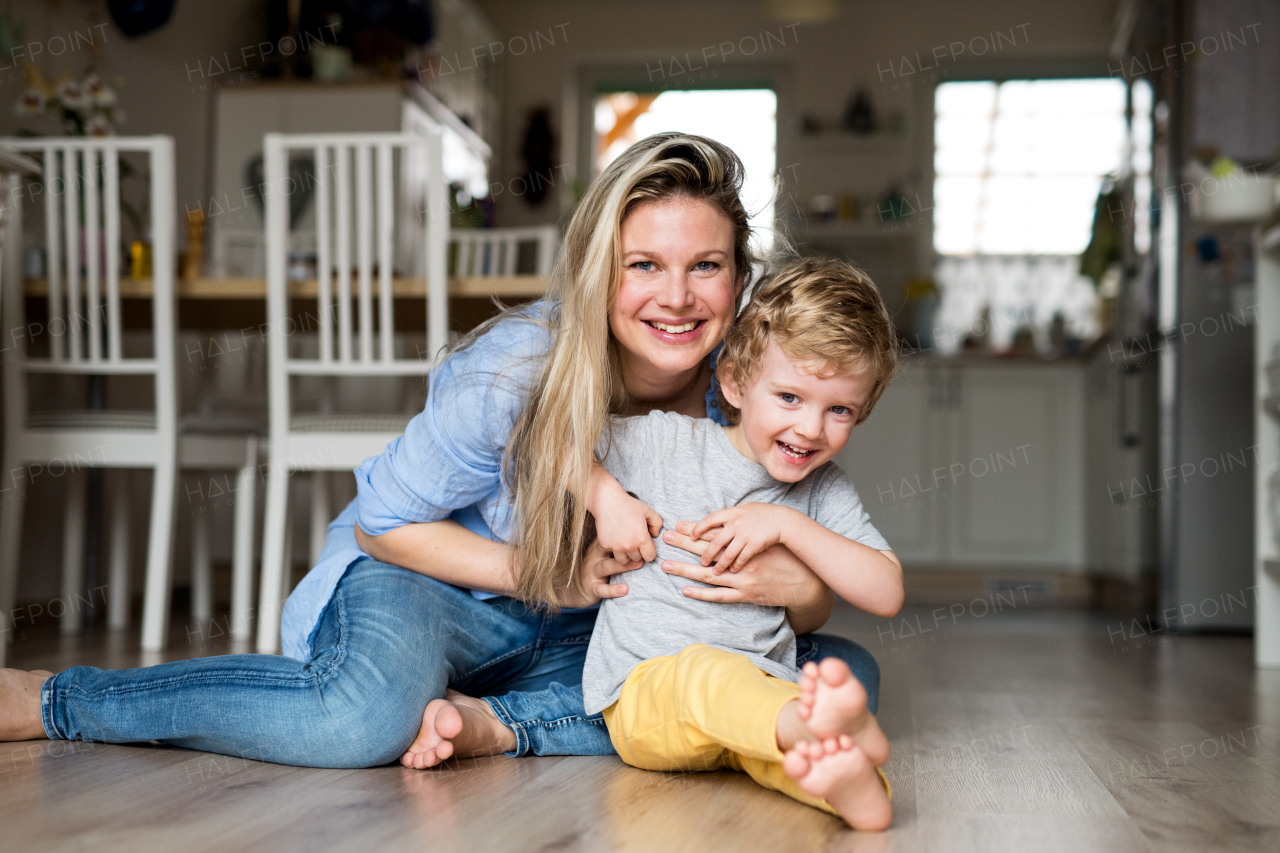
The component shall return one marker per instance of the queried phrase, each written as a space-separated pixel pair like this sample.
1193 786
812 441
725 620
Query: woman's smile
676 331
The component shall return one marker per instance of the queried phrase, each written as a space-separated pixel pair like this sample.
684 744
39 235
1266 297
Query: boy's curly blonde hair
816 309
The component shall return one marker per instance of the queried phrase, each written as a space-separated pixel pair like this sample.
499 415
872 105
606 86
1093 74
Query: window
1018 164
743 119
1018 167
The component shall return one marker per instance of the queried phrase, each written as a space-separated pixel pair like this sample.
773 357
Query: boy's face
796 415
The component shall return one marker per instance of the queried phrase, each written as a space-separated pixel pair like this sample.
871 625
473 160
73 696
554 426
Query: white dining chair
84 335
480 253
361 189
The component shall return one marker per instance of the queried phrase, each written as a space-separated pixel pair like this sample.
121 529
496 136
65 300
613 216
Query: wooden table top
237 289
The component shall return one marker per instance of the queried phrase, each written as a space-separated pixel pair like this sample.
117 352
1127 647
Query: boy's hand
624 525
593 586
739 533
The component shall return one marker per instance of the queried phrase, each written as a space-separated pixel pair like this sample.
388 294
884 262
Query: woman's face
676 298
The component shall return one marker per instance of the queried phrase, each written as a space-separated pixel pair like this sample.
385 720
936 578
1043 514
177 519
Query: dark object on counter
859 115
1208 249
807 125
378 32
300 184
139 17
919 309
1104 246
894 205
538 151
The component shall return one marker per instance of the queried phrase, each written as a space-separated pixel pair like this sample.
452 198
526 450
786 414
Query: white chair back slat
93 283
496 251
342 201
547 239
362 201
324 254
71 245
364 249
437 246
111 204
386 258
82 231
53 253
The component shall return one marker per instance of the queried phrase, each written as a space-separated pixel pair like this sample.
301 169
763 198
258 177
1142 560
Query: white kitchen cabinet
889 458
977 465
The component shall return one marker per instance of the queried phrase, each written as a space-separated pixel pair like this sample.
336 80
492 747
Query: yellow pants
705 709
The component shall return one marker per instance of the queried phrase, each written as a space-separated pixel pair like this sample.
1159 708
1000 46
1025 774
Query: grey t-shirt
686 469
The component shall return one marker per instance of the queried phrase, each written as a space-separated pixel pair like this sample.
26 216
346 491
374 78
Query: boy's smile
795 415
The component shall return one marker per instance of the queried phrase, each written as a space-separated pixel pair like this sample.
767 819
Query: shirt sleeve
837 507
633 445
451 454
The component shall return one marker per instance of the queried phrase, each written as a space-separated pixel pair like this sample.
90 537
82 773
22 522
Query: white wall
864 46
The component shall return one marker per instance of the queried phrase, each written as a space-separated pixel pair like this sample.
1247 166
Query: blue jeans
389 642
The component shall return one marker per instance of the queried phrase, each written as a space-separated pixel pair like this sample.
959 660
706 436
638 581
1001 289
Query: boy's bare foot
460 726
840 773
20 704
833 702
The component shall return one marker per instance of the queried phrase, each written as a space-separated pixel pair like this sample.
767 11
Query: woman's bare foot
833 702
20 704
457 726
840 773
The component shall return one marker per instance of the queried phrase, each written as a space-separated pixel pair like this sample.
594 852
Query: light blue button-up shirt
448 463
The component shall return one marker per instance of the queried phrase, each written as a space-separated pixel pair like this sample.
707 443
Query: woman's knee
362 734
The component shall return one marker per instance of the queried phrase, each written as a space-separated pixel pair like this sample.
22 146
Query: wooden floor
1025 730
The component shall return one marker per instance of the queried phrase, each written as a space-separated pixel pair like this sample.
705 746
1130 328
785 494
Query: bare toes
795 763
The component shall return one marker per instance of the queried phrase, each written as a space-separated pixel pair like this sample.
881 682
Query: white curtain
1020 290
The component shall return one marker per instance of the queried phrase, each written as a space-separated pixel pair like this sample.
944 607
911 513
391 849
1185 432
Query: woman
653 265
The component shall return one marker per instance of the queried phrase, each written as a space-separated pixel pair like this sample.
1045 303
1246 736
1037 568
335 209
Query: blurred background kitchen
1070 207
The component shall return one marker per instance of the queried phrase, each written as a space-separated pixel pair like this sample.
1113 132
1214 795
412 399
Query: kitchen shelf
846 142
854 230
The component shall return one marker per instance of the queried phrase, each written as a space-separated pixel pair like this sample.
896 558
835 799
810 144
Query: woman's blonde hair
815 309
552 448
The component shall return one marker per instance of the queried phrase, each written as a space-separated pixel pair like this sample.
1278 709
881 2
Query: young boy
686 684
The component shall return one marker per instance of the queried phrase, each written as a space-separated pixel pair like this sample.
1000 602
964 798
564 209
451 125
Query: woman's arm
446 551
449 552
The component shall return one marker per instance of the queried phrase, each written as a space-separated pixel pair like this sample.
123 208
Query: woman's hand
593 585
624 525
775 577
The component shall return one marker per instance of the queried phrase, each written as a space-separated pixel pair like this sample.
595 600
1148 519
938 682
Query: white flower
32 101
72 95
98 92
98 125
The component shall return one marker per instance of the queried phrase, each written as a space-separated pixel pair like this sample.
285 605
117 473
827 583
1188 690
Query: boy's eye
788 398
840 410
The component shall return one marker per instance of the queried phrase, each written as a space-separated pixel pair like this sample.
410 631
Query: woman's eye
643 266
788 398
707 266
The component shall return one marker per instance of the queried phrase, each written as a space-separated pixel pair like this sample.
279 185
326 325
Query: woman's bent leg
815 647
388 643
543 705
